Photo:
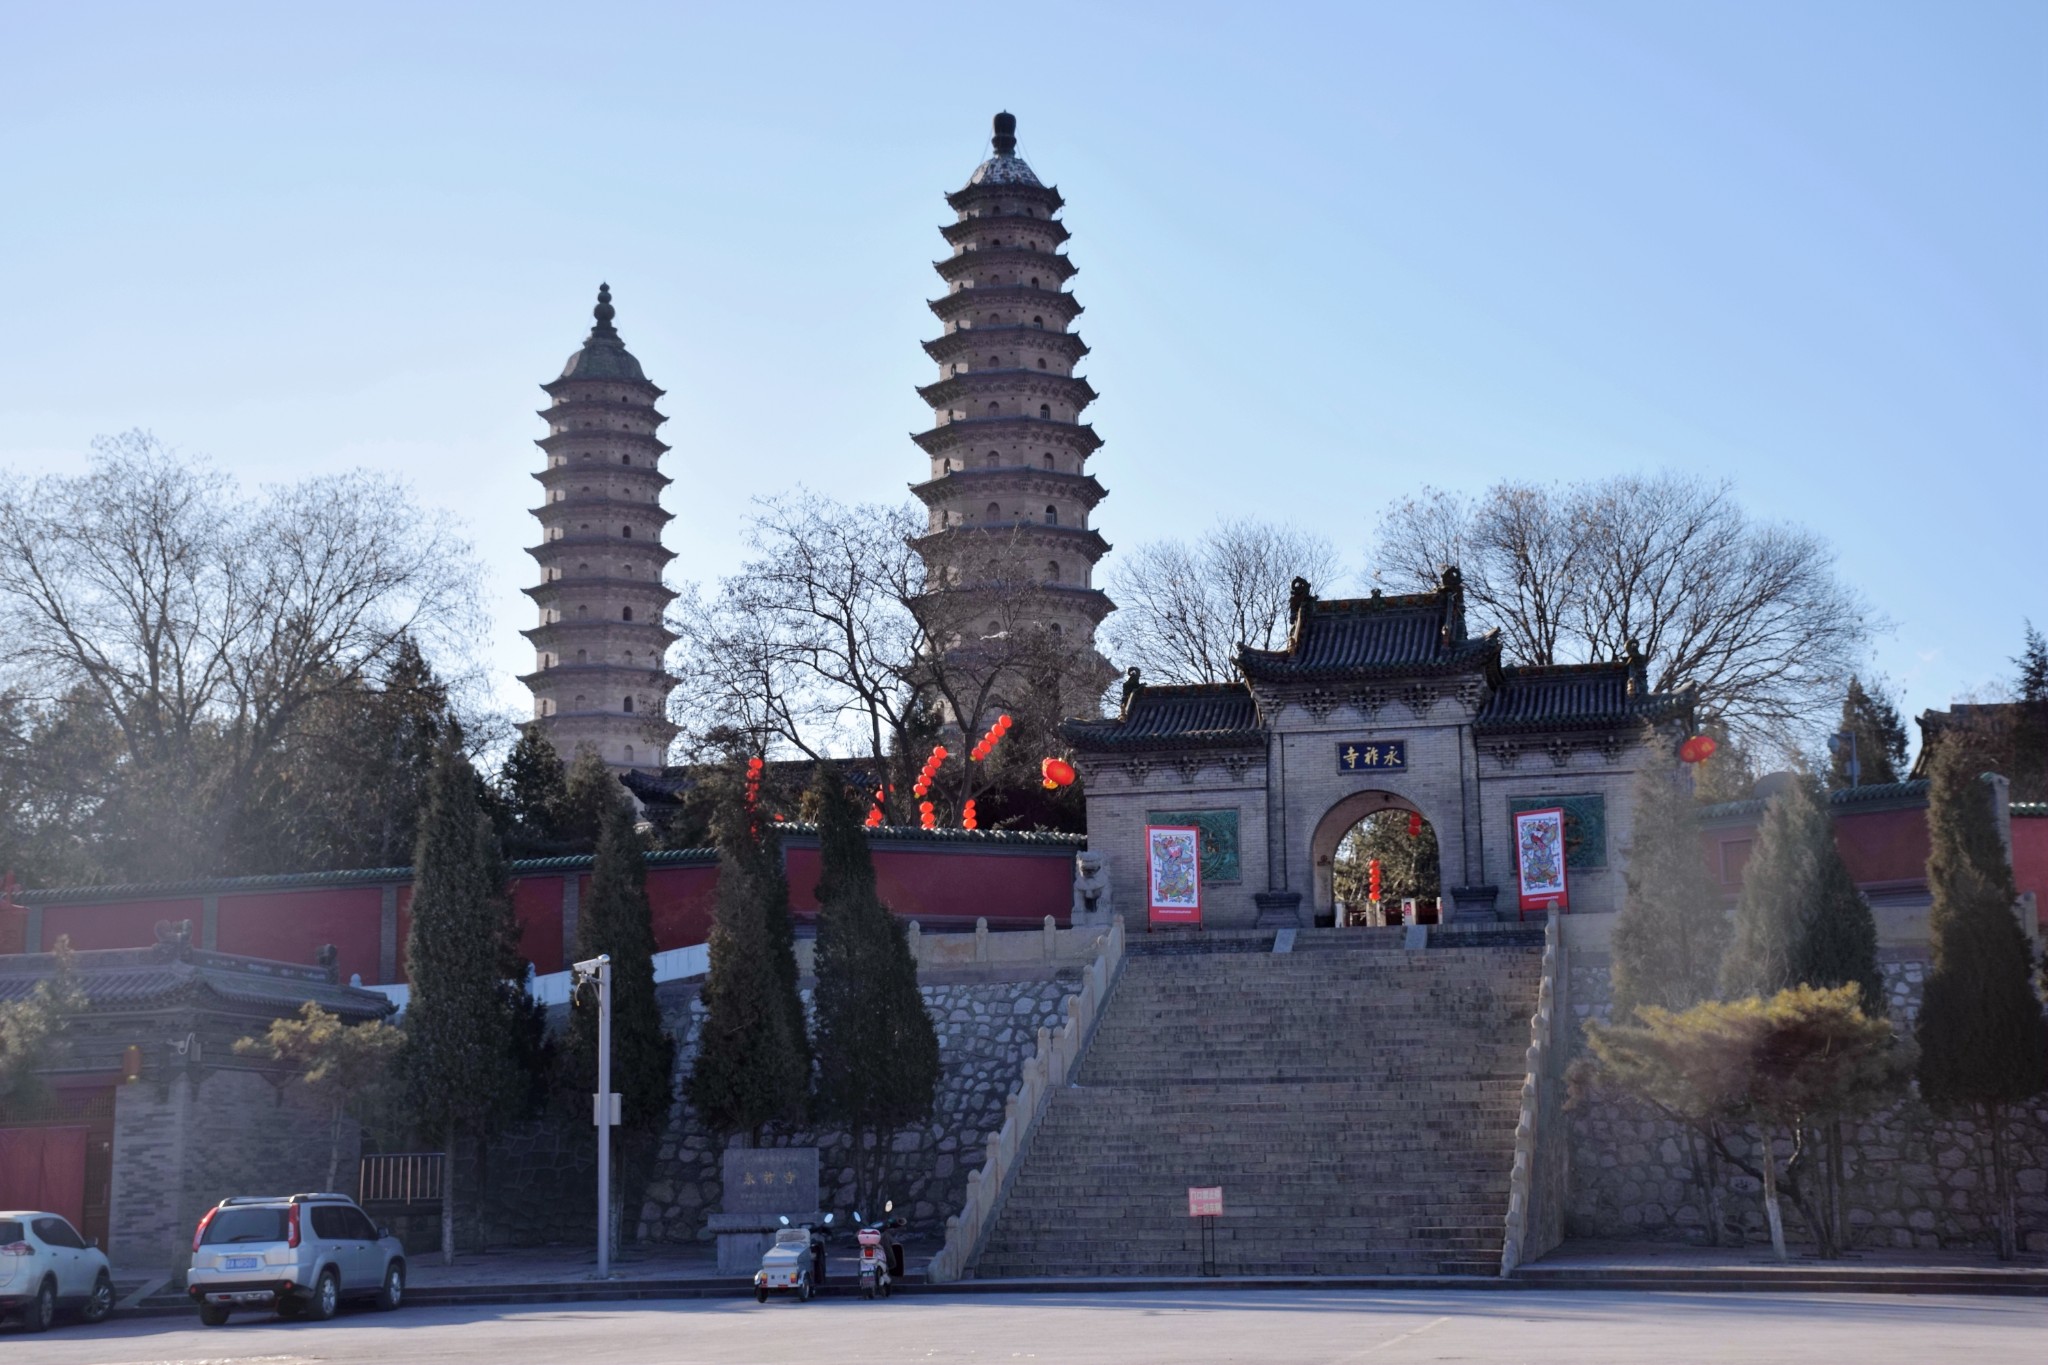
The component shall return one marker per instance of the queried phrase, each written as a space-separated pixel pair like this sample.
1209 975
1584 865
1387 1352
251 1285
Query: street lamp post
595 976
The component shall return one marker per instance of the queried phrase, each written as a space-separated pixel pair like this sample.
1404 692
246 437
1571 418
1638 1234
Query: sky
1329 254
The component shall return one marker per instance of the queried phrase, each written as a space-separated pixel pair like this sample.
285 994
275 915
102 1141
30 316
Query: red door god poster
1539 859
1173 863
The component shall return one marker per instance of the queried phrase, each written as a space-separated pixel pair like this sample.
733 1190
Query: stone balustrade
1536 1189
1050 1066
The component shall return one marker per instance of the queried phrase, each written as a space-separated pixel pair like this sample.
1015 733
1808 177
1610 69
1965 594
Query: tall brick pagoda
1008 490
599 674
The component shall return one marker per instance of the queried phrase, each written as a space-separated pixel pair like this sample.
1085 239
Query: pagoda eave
555 440
571 382
649 589
973 384
1082 487
969 340
946 435
948 306
639 549
954 267
1048 195
651 511
1085 540
961 229
553 474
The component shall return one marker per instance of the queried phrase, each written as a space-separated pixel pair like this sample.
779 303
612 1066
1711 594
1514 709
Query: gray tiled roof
1203 716
123 979
1573 697
1361 636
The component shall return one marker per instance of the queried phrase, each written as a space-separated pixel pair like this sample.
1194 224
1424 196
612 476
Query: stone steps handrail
1540 1076
1051 1066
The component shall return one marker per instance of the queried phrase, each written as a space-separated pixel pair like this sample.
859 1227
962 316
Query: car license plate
244 1262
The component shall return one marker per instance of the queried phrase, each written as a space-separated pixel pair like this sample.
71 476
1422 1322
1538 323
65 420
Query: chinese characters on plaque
1372 755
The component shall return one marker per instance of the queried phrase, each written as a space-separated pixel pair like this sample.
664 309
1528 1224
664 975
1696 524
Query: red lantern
1414 824
1372 879
1698 749
1057 772
967 820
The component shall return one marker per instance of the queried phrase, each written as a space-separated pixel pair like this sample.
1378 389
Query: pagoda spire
1007 488
600 679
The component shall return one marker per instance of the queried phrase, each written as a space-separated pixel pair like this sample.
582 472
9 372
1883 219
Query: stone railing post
1050 1066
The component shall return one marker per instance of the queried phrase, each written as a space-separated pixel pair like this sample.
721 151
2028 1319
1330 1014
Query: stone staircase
1356 1101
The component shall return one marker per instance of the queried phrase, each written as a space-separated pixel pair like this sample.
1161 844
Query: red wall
122 924
537 901
1883 845
942 885
682 899
2030 860
290 926
953 889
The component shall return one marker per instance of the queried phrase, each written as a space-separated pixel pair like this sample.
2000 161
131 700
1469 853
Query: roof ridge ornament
604 313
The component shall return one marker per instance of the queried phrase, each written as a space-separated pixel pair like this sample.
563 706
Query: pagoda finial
604 312
1006 134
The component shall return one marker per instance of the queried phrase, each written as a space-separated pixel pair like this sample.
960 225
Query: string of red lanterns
991 739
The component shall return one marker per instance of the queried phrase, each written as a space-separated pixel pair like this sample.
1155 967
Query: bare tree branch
1751 613
1184 608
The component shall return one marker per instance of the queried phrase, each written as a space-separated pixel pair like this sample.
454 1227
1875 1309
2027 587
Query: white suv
45 1265
301 1254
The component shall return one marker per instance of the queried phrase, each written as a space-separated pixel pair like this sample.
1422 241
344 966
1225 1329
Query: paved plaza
1313 1328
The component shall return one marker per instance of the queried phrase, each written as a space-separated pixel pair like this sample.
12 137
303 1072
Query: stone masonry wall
183 1144
1913 1180
541 1178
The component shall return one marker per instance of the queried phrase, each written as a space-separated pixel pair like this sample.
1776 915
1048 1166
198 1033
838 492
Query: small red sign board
1205 1201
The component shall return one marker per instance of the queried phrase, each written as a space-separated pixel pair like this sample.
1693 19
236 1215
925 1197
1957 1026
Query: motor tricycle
794 1263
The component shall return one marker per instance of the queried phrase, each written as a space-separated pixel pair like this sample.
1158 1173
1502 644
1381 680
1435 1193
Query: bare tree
1184 607
204 622
833 640
1749 612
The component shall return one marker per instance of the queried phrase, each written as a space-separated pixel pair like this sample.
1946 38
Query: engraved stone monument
762 1186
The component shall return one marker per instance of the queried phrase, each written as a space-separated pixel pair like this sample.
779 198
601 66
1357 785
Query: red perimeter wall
942 884
1887 850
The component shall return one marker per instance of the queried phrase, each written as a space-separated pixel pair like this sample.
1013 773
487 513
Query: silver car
45 1265
299 1254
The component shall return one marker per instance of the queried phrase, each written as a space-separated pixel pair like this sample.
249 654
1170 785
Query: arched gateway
1374 703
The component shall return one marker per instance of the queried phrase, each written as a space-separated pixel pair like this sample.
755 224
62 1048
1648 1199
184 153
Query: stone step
1357 1105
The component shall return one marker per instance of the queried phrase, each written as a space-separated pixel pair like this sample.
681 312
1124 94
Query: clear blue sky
1328 253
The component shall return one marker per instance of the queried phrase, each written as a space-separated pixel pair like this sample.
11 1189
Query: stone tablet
771 1180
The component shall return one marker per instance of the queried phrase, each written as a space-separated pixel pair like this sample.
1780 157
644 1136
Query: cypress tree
750 1069
1982 1047
460 1074
590 789
1673 929
1869 717
1800 920
878 1054
535 788
615 919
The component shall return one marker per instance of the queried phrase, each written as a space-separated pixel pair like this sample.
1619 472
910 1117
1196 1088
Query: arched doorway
1370 824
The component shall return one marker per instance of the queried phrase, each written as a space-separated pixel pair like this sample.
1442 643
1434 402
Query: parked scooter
881 1256
794 1263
